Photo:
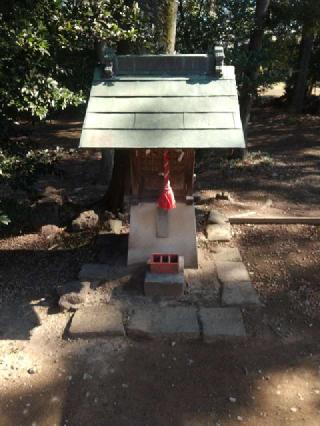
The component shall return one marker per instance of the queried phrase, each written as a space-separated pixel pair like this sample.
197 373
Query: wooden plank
208 121
109 121
164 88
229 138
275 220
153 104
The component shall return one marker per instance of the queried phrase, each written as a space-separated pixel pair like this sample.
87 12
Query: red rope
166 200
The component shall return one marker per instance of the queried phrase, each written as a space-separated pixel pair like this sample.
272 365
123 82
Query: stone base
143 239
164 285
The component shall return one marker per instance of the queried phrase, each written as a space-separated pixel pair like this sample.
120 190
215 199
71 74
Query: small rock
125 386
86 220
223 196
50 232
232 399
32 370
240 419
294 409
115 226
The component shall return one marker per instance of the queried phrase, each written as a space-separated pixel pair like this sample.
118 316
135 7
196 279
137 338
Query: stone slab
167 322
232 272
97 321
181 239
219 232
217 218
221 322
239 294
227 254
164 285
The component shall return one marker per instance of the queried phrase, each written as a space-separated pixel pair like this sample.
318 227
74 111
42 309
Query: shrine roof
163 101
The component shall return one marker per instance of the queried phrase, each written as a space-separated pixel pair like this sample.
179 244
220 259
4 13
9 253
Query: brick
167 322
221 322
164 285
97 321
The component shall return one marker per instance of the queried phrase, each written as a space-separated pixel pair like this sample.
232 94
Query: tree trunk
301 81
170 25
250 74
113 200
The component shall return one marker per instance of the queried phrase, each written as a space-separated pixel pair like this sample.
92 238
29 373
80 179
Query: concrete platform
227 254
220 323
164 285
181 239
167 322
97 321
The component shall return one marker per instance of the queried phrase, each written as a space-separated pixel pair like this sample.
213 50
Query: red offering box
164 263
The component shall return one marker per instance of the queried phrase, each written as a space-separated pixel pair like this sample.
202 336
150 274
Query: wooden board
229 138
161 88
160 121
156 104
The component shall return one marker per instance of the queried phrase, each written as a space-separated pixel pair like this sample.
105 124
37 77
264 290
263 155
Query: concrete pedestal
143 239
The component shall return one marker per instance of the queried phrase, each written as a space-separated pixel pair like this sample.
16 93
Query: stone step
237 289
221 323
97 321
167 322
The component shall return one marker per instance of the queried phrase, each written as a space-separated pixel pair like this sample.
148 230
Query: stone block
97 321
232 272
86 220
164 285
217 218
167 322
227 254
221 322
239 294
219 232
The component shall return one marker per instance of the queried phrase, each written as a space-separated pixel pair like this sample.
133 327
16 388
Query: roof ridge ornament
219 57
109 58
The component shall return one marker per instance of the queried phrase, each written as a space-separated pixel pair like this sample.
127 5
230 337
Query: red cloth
166 200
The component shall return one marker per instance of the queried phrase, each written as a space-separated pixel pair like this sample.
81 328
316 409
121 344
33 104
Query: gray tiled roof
162 110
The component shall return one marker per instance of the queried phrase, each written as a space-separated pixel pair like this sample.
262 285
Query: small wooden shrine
162 108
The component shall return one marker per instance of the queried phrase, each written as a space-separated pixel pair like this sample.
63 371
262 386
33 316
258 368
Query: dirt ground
270 378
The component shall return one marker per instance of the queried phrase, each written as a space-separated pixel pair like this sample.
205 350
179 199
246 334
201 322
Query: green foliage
48 50
4 220
21 162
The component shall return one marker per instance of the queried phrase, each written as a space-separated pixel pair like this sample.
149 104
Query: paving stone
164 285
167 322
232 272
227 254
239 294
221 322
216 217
97 321
94 272
219 232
